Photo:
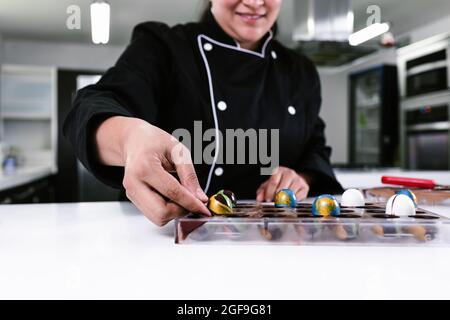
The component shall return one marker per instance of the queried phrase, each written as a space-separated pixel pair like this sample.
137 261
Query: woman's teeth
250 16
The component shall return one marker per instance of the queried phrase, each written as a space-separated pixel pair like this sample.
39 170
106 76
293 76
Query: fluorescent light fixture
368 33
100 19
350 20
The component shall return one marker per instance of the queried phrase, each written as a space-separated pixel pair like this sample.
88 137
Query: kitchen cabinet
40 191
28 112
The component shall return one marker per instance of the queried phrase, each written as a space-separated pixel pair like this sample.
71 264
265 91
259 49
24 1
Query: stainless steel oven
426 74
427 137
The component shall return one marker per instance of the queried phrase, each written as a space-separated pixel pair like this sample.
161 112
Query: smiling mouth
251 17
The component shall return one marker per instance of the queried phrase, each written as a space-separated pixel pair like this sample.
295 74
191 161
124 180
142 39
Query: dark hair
207 9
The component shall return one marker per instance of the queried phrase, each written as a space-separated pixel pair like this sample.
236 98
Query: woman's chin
251 37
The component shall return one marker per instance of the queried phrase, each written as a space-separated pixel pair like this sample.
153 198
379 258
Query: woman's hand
284 178
149 154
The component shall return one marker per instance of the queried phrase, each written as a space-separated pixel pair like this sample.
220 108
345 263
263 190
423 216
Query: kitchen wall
1 46
1 122
430 29
334 113
59 54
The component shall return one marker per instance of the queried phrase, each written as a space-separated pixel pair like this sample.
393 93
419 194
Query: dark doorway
73 182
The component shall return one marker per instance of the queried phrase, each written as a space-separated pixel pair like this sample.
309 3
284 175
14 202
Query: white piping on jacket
211 89
238 47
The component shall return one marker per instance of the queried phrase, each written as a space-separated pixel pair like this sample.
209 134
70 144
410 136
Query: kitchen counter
110 251
372 178
24 175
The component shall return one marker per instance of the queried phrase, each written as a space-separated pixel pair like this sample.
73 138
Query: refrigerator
374 117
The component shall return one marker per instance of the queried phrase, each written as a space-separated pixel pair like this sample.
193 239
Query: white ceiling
45 19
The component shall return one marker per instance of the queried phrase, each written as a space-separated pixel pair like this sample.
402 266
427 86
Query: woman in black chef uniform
227 72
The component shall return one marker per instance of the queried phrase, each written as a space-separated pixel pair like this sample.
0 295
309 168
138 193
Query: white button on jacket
292 110
218 172
222 106
208 46
274 54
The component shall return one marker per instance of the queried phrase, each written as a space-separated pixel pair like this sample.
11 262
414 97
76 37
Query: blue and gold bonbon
285 199
326 205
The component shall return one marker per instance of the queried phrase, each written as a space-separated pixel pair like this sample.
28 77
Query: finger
296 188
174 210
301 195
305 191
283 183
288 180
272 186
260 196
181 158
152 205
300 190
260 192
169 187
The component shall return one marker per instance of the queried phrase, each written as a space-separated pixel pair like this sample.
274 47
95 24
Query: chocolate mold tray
254 223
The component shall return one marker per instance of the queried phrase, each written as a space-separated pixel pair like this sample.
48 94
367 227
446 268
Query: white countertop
372 178
110 251
24 175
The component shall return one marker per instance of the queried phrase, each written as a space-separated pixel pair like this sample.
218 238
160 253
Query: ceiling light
368 33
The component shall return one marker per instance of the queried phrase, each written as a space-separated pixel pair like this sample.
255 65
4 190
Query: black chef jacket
173 76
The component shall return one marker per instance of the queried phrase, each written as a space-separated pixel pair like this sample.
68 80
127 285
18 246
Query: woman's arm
147 154
112 140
